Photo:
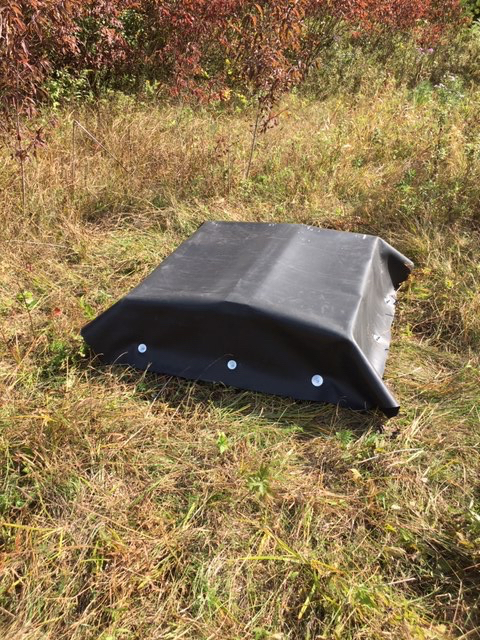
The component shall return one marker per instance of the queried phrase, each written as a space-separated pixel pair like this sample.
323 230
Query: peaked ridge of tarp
286 309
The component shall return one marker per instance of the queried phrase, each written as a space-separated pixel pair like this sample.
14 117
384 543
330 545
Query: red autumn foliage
31 32
99 33
201 47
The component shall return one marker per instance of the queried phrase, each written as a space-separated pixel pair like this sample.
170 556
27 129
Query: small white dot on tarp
317 380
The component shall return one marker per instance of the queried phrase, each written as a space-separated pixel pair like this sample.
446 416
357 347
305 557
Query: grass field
135 506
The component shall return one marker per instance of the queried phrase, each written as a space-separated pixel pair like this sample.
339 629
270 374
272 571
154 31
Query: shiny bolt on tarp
286 309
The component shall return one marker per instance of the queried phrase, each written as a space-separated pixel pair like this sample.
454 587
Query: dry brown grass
140 506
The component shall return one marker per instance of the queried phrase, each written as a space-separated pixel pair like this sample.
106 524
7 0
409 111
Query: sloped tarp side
284 309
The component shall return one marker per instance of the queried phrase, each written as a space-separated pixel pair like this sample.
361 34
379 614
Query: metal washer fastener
317 380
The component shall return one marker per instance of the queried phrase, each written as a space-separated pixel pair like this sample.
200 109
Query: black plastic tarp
286 309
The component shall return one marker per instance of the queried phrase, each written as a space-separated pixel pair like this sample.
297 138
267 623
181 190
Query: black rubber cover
286 309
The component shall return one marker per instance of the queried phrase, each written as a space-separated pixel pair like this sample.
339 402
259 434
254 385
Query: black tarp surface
286 309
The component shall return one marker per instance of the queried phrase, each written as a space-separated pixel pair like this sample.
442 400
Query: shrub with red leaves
31 33
200 47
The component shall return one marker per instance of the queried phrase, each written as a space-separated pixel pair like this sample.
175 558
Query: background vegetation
138 506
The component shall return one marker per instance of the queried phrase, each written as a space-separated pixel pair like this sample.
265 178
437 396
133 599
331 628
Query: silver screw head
232 364
142 348
317 380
